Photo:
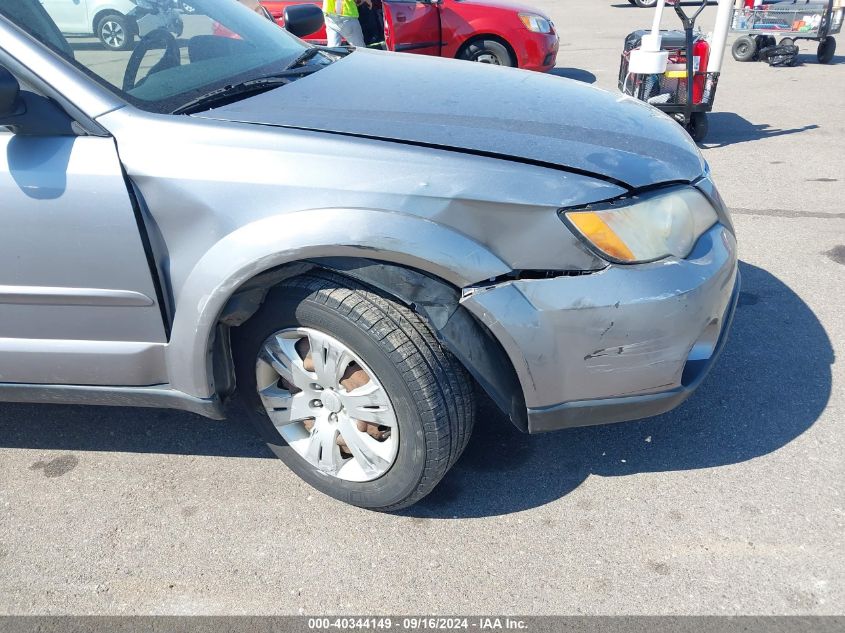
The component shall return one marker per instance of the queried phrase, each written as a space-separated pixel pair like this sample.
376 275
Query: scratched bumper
621 344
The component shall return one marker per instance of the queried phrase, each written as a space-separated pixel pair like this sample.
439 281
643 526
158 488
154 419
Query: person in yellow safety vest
342 21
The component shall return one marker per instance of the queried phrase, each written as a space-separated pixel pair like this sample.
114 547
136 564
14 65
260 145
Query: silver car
357 243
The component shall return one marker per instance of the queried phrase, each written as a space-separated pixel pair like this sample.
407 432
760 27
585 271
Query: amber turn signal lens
600 234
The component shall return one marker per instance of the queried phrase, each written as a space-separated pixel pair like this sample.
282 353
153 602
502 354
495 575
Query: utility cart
785 22
676 71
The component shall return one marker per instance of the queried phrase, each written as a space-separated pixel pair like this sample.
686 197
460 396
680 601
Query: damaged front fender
278 240
456 329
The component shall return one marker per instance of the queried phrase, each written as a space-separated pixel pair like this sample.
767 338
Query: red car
489 31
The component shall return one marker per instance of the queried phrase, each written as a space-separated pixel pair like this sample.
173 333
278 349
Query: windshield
161 54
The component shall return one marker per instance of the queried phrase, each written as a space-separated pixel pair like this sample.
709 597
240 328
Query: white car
109 20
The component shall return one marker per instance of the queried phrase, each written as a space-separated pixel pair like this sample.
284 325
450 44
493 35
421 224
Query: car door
71 16
78 299
411 26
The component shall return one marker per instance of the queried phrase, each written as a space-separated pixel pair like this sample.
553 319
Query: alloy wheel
112 34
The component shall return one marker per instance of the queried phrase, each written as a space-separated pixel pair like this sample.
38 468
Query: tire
644 4
744 49
428 392
826 50
487 51
763 41
786 41
116 32
699 126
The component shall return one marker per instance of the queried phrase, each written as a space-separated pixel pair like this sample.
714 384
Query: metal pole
720 35
658 14
829 21
690 74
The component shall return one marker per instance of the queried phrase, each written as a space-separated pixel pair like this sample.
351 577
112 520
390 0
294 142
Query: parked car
220 222
487 31
108 20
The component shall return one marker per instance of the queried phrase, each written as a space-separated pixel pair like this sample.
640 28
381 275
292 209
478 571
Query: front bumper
536 51
624 343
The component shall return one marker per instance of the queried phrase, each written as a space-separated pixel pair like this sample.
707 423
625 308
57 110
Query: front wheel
487 52
644 4
353 391
116 32
744 49
826 50
698 126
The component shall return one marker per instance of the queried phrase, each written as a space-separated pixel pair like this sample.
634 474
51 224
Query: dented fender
271 242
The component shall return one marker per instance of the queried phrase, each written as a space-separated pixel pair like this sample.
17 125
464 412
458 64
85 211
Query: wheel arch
433 299
102 13
230 281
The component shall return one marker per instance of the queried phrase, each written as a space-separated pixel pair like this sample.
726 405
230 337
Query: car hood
477 108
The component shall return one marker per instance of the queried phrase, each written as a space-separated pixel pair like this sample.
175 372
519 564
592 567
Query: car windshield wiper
253 86
304 57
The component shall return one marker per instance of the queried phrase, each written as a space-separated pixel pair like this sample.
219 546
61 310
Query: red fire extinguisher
700 57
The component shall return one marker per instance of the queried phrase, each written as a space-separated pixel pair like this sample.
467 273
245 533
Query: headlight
535 23
646 227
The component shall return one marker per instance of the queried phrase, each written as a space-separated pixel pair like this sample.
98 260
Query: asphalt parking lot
732 504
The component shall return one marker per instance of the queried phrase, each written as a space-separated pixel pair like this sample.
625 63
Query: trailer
783 23
677 71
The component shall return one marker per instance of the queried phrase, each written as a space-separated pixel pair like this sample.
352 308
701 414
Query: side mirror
10 92
28 114
303 19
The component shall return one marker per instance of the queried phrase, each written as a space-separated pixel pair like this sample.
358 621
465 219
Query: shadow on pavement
729 128
809 57
87 46
76 428
578 74
770 385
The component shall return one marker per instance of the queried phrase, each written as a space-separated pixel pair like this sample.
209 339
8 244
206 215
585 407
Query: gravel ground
731 504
